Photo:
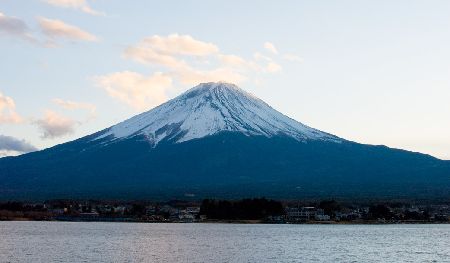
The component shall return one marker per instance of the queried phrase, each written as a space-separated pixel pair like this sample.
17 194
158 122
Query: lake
139 242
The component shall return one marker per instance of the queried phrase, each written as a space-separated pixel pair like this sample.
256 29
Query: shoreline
237 222
245 211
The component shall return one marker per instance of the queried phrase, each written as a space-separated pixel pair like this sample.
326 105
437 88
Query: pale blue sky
375 72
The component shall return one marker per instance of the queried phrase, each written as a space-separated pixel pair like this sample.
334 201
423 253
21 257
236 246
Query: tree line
246 209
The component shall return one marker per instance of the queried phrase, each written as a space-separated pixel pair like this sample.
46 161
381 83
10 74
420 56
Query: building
300 213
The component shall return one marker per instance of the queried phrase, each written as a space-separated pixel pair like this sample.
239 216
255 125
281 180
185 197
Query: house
195 210
321 216
300 214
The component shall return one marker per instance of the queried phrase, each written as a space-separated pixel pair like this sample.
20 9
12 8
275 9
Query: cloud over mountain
54 125
136 90
179 59
10 145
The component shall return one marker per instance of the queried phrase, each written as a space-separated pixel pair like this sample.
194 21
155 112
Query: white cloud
8 112
182 54
260 57
169 51
82 5
138 91
271 47
183 60
272 67
73 105
57 29
233 61
178 54
292 57
13 146
150 56
51 30
15 27
269 65
176 44
54 125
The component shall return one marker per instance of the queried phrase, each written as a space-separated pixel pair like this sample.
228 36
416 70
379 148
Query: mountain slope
211 108
217 140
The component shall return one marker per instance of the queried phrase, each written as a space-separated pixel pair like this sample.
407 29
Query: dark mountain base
226 165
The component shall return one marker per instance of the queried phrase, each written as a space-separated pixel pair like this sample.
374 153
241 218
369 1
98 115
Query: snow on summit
210 108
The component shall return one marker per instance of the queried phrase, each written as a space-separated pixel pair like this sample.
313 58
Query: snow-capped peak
210 108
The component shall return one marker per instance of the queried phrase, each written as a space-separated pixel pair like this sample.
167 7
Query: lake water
134 242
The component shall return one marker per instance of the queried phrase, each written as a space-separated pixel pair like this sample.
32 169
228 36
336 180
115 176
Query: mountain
209 109
216 140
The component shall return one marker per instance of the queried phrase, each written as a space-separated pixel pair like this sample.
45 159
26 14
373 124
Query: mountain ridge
239 157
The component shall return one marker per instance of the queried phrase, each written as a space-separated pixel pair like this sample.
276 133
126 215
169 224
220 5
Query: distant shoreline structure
245 211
